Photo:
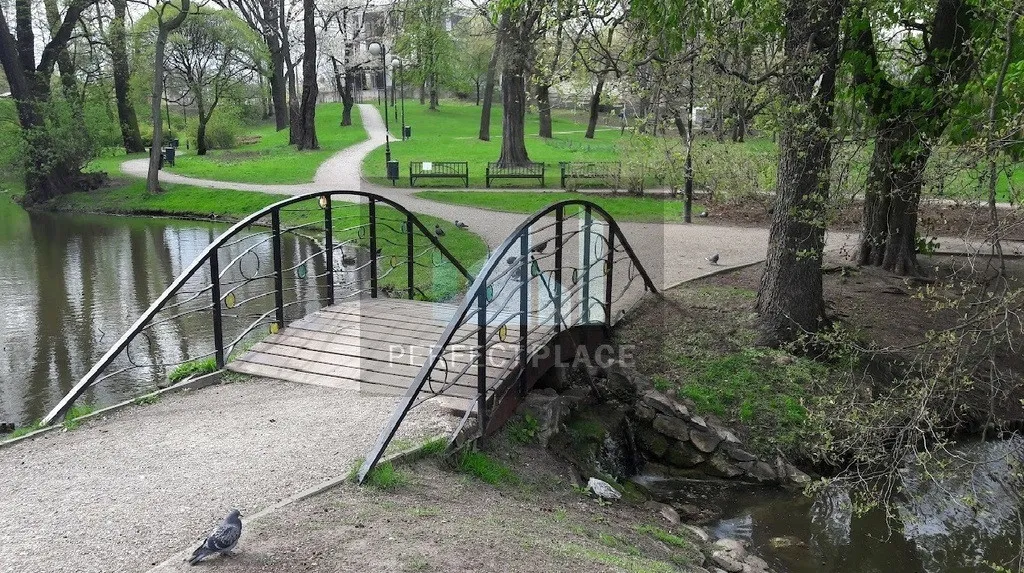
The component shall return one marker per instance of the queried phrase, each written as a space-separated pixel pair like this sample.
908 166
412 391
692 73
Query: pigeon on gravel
713 259
703 214
438 231
539 248
512 260
222 539
460 224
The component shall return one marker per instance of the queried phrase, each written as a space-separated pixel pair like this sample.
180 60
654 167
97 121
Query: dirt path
127 491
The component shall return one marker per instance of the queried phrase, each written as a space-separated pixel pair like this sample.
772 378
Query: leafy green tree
53 160
213 54
910 89
474 46
158 24
425 40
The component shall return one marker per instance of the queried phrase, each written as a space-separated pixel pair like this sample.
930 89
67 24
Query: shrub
222 130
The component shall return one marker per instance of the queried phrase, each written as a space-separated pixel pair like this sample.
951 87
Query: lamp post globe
375 48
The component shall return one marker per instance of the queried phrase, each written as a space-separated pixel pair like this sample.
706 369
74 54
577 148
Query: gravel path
672 253
127 491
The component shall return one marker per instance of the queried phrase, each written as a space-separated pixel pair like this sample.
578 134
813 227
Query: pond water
958 522
71 285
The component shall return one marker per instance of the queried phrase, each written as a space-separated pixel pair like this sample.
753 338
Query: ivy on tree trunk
790 300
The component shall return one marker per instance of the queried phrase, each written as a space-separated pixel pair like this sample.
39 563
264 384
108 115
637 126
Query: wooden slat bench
438 169
608 171
531 171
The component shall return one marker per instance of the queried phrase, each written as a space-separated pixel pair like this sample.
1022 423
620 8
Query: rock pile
678 442
644 429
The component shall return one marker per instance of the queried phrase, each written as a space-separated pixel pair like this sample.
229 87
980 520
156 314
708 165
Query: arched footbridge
352 290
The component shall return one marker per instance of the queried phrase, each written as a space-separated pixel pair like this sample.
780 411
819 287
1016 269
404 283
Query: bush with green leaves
223 130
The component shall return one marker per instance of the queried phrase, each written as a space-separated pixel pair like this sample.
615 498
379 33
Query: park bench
438 169
531 171
608 171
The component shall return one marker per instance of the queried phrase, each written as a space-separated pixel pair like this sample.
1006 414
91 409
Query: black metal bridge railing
320 250
567 266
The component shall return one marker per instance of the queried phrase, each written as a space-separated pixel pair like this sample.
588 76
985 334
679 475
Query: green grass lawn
625 208
131 198
272 160
450 134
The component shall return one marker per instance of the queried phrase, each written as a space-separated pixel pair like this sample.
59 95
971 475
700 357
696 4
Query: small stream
958 522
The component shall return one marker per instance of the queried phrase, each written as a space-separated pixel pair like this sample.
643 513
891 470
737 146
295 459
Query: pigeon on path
438 231
460 224
703 214
713 259
222 539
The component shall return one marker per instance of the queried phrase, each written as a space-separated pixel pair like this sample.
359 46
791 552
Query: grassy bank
129 197
268 159
625 208
450 134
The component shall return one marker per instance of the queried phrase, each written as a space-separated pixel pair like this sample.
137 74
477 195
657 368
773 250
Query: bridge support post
524 323
609 268
329 246
559 216
373 248
218 326
587 221
481 365
410 253
275 225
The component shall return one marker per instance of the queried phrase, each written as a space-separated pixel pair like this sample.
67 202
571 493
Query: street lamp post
401 78
377 49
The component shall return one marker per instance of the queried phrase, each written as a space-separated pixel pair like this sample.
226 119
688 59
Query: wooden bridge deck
375 346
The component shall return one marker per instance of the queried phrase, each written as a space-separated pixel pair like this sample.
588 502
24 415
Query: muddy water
70 285
957 522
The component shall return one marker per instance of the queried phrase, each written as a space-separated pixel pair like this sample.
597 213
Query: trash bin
392 170
169 155
406 132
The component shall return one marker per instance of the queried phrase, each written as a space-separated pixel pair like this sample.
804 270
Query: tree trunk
307 110
516 48
544 110
513 119
595 105
485 111
433 92
344 91
347 101
127 119
202 119
201 136
477 82
909 119
163 30
790 300
889 232
64 63
278 86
